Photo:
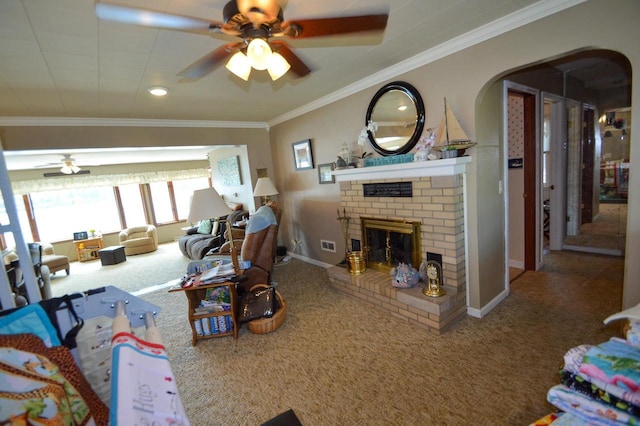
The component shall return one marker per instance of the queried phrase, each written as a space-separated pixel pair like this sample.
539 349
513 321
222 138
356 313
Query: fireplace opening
386 243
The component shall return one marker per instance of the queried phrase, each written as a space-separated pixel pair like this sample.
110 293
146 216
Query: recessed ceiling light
158 90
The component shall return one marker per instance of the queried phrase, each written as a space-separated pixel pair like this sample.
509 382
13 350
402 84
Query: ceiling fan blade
150 18
210 61
306 28
297 66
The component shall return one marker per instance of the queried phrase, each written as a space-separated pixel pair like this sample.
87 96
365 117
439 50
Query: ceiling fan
261 26
67 165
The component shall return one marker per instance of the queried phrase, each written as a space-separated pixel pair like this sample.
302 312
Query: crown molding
126 122
495 28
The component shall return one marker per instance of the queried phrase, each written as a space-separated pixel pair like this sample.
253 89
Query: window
9 239
183 191
132 204
60 213
161 202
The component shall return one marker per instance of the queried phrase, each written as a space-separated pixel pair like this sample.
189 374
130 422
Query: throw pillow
204 227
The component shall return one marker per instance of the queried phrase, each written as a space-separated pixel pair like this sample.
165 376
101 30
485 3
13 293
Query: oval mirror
395 119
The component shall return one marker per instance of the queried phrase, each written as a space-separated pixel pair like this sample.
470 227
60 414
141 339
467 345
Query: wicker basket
267 325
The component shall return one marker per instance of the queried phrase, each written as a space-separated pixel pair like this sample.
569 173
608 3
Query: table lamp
207 204
264 189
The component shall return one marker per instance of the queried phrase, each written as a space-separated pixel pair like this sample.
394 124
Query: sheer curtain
87 181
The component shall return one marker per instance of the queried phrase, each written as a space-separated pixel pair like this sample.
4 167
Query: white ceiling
58 61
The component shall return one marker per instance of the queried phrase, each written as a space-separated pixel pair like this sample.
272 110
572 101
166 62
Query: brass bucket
356 262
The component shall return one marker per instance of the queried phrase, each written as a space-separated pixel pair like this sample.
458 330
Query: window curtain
87 181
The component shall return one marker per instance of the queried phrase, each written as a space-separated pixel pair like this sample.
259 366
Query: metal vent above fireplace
388 242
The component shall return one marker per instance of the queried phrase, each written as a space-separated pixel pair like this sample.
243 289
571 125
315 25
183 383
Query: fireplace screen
389 242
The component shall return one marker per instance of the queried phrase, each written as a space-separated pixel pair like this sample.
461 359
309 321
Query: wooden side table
87 249
198 293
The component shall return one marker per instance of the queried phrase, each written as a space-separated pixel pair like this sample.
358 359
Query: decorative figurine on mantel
344 159
424 147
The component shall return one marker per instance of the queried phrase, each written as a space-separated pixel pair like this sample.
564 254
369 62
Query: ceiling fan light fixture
259 53
69 168
239 65
158 90
278 66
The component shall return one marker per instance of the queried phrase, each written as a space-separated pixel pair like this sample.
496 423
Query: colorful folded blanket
573 360
616 362
590 411
589 389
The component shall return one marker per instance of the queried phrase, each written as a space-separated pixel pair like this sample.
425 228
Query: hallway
582 281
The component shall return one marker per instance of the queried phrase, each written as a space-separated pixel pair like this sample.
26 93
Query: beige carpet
338 361
136 273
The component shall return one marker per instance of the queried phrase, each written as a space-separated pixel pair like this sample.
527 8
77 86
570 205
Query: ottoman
112 255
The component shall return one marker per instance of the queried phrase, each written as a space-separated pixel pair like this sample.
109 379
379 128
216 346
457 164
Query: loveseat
208 235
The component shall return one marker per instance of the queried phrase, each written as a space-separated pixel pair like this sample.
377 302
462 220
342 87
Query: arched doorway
580 161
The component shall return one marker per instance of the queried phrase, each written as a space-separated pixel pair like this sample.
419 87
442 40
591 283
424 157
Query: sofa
139 239
209 235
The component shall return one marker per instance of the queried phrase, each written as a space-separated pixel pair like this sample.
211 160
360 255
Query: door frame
533 175
558 167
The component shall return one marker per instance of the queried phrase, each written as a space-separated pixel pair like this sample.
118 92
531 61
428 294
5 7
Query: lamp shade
259 53
278 66
206 204
264 188
239 65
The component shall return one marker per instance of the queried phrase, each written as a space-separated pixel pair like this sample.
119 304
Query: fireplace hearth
434 218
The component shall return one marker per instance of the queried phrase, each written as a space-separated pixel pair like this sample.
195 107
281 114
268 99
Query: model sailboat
450 135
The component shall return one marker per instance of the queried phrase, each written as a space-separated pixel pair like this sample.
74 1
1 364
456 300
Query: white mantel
443 167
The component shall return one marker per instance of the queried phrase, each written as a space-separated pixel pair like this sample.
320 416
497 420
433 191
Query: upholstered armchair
258 246
55 262
139 239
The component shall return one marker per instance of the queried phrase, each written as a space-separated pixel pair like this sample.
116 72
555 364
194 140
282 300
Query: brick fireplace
436 202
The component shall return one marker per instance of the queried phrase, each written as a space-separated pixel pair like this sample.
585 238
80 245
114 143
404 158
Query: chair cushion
54 261
138 242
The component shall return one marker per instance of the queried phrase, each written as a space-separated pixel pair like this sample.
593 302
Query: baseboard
309 260
479 313
516 264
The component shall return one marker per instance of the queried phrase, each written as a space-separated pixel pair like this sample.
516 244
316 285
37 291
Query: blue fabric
30 319
261 219
205 226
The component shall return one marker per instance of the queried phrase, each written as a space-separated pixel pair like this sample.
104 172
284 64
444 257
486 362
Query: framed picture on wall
302 155
324 173
229 170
